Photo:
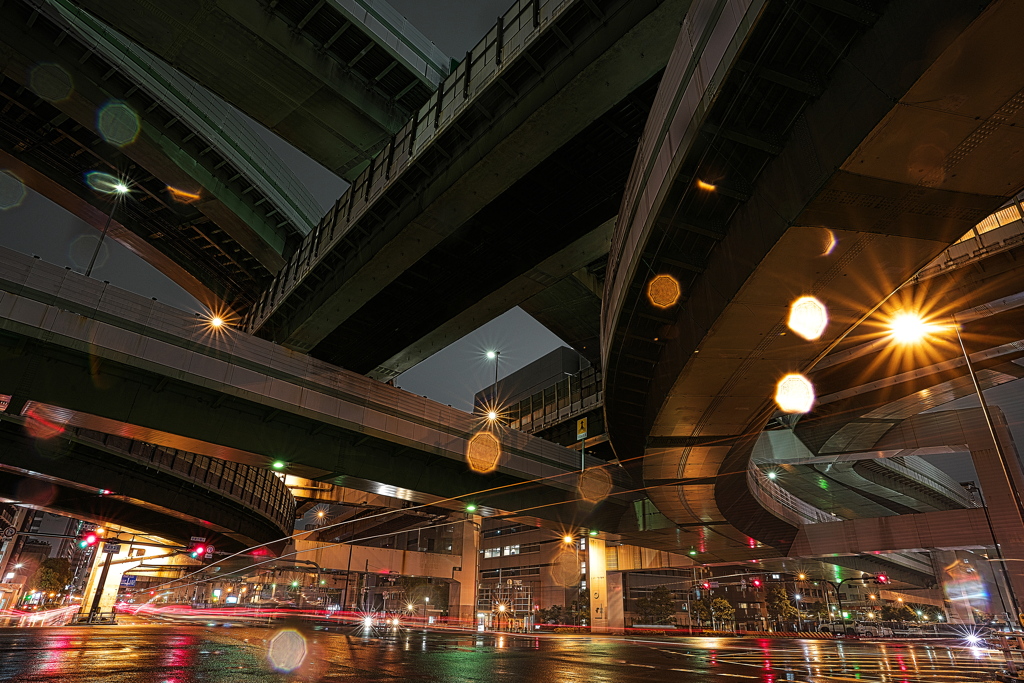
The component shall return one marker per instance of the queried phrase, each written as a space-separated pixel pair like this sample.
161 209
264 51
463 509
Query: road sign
581 429
199 539
9 532
127 580
209 550
714 584
112 548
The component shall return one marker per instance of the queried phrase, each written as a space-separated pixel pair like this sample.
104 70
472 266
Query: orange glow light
706 186
182 196
483 452
663 291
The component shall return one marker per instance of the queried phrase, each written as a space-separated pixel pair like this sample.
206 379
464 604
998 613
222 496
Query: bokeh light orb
12 190
483 452
287 650
50 81
794 394
663 291
594 485
118 124
808 317
565 570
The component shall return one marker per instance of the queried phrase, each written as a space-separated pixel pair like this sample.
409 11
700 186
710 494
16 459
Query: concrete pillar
462 598
1001 497
616 603
597 584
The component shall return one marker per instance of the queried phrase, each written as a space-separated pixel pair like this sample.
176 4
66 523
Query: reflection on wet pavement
182 654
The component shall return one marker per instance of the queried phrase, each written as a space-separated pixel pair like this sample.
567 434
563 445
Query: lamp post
909 328
799 612
119 191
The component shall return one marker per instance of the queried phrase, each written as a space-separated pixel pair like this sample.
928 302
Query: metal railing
259 489
515 30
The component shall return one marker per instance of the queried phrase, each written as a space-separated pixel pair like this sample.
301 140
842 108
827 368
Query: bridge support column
462 599
119 564
597 585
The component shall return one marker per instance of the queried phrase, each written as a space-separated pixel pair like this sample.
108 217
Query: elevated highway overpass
502 184
809 186
112 480
336 78
211 206
114 362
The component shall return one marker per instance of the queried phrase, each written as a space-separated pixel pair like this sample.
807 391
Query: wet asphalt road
161 653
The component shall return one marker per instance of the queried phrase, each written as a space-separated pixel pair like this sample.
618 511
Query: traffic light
706 585
88 539
196 551
756 583
882 578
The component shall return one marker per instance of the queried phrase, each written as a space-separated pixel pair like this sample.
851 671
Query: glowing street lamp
120 189
908 327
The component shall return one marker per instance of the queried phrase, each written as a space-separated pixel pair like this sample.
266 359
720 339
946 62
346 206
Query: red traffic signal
882 578
756 583
706 585
88 539
197 550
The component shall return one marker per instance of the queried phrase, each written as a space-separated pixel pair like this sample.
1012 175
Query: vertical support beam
462 601
597 584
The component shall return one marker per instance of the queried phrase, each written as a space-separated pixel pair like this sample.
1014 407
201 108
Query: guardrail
515 29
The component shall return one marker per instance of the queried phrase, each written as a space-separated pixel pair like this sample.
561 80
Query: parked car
869 629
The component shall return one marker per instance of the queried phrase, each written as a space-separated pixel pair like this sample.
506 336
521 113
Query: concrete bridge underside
50 471
122 364
312 72
838 208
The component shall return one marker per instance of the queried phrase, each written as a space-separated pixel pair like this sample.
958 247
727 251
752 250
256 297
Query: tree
700 611
722 610
550 615
897 611
818 610
780 609
657 608
53 575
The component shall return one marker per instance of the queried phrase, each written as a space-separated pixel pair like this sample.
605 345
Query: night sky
452 376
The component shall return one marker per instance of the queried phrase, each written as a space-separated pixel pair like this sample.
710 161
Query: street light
119 190
912 328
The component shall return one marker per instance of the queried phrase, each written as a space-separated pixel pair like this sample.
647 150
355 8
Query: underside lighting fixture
492 415
278 465
567 539
708 187
217 321
794 394
593 532
471 508
808 317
